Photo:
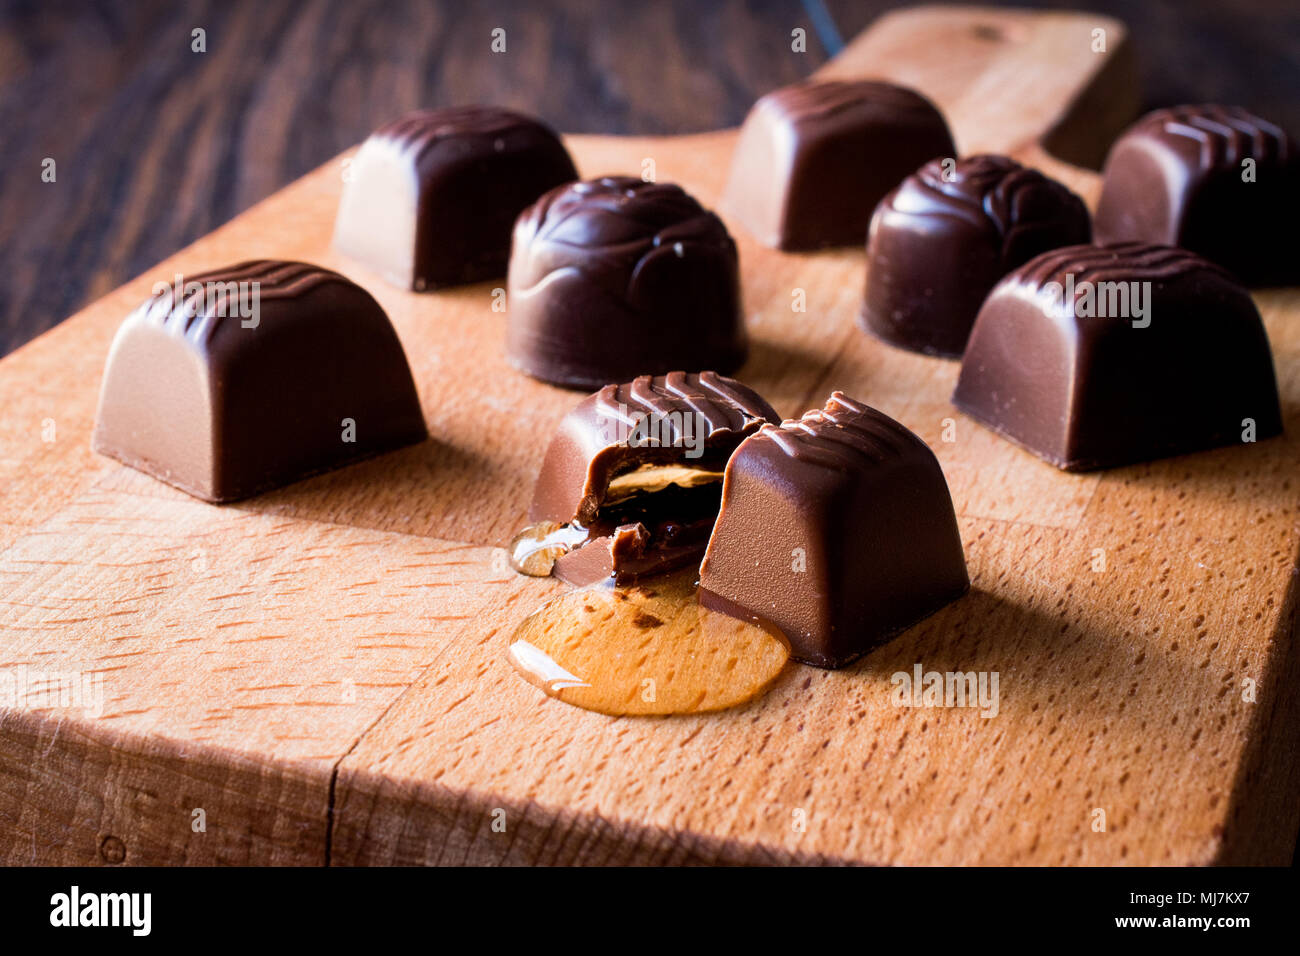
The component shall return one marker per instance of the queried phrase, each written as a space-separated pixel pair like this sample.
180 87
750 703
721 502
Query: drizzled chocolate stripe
197 311
844 434
1224 134
1123 261
722 404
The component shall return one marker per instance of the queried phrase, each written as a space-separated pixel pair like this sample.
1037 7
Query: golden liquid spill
534 550
650 649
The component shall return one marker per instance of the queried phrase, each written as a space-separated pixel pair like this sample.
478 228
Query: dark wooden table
155 144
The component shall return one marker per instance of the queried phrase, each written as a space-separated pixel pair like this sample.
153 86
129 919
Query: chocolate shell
616 277
665 440
1210 179
1093 357
255 376
838 529
814 158
945 236
430 199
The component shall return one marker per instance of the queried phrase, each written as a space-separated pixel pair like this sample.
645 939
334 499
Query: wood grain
321 669
157 145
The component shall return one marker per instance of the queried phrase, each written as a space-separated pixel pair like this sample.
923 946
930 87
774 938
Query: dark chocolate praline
945 236
814 158
1217 180
614 278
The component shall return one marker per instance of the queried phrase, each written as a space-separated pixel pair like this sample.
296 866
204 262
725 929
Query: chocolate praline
630 482
945 236
430 199
814 158
617 277
1216 180
836 528
253 376
1099 356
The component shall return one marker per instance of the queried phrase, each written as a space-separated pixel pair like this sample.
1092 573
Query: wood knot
988 31
112 850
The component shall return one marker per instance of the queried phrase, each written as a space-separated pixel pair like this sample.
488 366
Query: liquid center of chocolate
652 520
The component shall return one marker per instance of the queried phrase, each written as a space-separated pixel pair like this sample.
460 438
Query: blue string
824 25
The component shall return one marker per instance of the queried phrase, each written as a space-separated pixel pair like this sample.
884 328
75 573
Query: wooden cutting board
318 675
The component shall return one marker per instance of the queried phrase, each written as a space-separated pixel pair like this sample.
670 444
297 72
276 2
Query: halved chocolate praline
631 482
836 528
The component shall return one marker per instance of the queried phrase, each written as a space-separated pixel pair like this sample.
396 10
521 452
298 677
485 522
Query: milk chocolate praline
814 158
945 236
617 277
1094 357
1216 180
836 528
430 199
252 376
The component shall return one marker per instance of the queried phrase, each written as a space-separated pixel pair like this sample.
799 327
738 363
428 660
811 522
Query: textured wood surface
321 670
157 145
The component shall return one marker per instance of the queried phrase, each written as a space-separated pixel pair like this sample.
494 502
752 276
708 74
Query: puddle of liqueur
645 650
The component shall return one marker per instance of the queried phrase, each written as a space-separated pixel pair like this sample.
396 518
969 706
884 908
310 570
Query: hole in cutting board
988 31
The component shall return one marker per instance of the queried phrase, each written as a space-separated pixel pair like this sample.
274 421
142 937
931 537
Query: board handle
1052 89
